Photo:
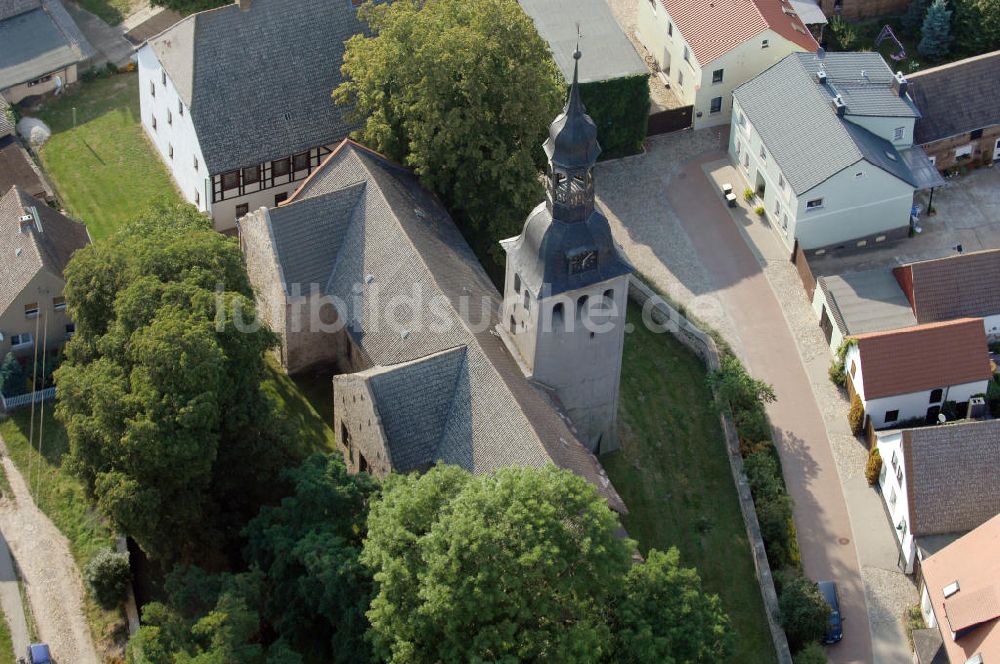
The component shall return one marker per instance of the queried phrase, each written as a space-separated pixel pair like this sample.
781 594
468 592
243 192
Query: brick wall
358 427
943 151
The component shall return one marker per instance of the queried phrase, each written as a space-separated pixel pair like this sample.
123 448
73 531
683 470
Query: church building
566 289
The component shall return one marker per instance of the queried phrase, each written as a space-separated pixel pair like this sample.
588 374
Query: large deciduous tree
160 389
462 91
523 565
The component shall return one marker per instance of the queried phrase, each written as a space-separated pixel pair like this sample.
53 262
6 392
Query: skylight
951 589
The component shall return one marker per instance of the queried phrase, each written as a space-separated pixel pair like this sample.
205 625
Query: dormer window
951 589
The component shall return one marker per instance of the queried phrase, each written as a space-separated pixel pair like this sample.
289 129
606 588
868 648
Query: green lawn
673 473
6 645
104 169
305 401
61 497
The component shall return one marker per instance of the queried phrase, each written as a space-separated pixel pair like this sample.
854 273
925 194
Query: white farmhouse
706 49
938 481
826 142
909 373
237 100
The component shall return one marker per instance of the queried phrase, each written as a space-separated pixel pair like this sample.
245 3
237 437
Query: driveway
674 227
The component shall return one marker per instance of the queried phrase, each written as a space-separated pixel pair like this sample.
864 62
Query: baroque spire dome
572 142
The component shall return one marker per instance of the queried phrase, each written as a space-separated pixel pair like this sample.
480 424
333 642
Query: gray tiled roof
794 116
258 82
29 251
957 98
610 54
869 301
39 41
951 476
10 8
956 286
6 126
470 407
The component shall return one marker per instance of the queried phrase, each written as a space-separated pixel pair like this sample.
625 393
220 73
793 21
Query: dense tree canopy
935 41
160 391
523 565
468 111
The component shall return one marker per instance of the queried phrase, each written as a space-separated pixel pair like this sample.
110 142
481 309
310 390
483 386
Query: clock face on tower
582 261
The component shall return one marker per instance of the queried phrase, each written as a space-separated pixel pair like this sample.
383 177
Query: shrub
620 109
774 515
874 466
844 33
804 613
759 210
748 194
811 654
837 374
753 429
764 475
856 416
107 575
12 376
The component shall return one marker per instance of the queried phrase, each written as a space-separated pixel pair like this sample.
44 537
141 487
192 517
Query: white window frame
814 204
21 340
721 73
897 133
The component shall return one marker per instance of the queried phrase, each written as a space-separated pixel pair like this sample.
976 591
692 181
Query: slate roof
6 126
258 81
712 29
27 252
446 387
973 563
956 98
868 301
953 287
610 53
37 41
923 357
795 118
16 168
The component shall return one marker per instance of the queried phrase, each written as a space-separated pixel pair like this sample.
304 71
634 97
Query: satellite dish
941 418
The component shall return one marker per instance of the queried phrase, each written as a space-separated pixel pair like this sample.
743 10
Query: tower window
527 300
517 283
558 314
581 304
609 296
513 326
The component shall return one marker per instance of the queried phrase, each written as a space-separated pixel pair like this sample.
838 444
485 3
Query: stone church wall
360 437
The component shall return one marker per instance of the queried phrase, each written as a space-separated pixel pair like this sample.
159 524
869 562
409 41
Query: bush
764 475
753 429
804 613
856 416
107 575
759 210
620 109
748 194
811 654
873 467
837 374
845 34
12 376
774 516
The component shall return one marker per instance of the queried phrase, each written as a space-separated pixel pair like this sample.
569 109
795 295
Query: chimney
839 106
821 77
977 409
244 5
30 220
900 84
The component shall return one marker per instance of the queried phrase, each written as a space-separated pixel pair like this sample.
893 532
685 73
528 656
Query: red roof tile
923 357
715 27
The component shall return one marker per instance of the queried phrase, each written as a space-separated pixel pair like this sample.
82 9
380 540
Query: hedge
620 109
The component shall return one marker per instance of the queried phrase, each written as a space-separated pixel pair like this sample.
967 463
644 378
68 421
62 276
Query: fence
22 400
805 272
702 345
672 119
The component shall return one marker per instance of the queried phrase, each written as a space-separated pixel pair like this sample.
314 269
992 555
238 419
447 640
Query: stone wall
943 151
702 345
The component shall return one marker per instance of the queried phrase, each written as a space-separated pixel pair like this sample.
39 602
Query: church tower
566 285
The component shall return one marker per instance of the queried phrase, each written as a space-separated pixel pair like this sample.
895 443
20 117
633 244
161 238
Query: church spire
572 149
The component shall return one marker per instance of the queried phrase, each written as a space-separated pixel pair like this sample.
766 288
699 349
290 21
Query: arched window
517 283
527 300
558 313
581 305
609 296
513 326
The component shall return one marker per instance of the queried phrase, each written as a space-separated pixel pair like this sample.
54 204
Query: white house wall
885 127
858 202
818 305
894 494
739 65
992 325
180 133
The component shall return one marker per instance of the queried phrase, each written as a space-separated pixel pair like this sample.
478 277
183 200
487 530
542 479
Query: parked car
38 653
835 631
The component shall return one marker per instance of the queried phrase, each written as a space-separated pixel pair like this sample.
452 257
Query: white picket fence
22 400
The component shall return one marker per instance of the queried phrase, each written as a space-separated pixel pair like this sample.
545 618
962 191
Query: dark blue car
835 631
38 653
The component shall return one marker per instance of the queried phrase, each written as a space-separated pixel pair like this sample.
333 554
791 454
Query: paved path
109 41
50 575
10 601
684 216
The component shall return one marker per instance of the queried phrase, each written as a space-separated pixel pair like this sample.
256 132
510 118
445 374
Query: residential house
363 269
910 373
36 242
826 142
860 302
960 117
237 100
853 10
42 48
960 600
959 286
707 49
938 480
